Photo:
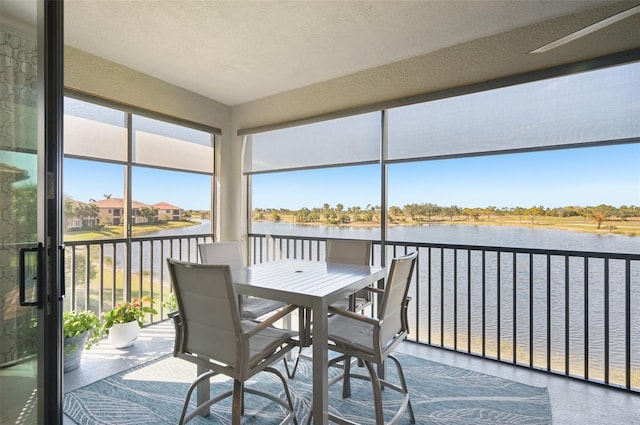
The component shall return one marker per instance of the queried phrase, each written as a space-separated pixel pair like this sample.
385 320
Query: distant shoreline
629 228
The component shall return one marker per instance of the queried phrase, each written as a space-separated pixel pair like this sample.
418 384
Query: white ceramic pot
122 335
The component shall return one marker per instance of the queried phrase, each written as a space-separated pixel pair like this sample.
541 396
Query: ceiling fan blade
588 30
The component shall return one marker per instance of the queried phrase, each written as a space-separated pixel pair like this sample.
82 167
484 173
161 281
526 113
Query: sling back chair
230 253
372 340
211 334
348 251
345 251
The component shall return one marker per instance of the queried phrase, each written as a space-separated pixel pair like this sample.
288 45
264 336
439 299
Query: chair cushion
351 333
360 304
265 342
254 307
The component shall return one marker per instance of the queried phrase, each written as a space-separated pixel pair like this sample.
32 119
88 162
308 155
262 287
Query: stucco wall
93 75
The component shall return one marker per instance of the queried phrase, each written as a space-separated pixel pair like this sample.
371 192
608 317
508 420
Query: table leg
203 390
320 363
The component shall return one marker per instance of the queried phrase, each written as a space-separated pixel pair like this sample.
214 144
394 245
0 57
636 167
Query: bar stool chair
230 253
345 251
372 340
211 334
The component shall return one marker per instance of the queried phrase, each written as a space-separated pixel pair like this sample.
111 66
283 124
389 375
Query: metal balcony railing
101 273
571 313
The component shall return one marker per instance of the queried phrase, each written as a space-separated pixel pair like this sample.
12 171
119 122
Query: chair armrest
353 315
405 309
270 320
374 289
177 325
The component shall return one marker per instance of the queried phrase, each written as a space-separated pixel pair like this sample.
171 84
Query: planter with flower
82 330
122 323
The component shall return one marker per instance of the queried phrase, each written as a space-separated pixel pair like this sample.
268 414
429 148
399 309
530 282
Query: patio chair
347 252
351 252
231 254
211 334
372 340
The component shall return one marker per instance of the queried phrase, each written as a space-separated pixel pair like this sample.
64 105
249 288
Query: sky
85 180
545 112
586 176
570 177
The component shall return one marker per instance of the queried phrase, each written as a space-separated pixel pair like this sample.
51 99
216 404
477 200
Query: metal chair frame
346 251
386 332
211 334
230 252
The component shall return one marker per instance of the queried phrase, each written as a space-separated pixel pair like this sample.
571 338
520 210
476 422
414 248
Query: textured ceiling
239 51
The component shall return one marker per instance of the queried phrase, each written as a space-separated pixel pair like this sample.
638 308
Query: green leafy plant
74 323
170 303
128 312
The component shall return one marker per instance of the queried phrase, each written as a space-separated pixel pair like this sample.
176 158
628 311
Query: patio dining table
314 285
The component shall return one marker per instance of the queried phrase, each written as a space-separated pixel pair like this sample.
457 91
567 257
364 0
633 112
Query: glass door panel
18 213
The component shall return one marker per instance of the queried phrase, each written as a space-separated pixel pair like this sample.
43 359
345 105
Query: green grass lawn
116 232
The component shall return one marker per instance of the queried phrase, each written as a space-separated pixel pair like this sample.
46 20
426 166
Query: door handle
34 278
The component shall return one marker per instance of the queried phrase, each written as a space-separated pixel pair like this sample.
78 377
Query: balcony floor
572 401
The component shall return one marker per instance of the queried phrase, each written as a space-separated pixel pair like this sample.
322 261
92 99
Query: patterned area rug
153 393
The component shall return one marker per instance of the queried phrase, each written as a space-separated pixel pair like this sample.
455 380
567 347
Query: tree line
427 212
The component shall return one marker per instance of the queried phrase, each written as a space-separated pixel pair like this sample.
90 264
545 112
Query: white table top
300 282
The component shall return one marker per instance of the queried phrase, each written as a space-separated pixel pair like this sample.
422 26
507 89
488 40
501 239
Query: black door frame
51 83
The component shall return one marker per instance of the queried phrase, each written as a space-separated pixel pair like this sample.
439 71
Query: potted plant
170 304
82 330
122 323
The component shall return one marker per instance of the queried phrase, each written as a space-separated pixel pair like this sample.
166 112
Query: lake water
517 237
203 227
520 237
435 319
434 306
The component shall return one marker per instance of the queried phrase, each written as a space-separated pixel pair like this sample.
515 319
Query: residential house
112 211
168 212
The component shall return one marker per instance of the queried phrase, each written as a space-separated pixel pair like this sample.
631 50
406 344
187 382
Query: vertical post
126 289
50 109
383 187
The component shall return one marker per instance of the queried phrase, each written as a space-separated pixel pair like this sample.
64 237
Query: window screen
168 145
580 108
350 140
94 131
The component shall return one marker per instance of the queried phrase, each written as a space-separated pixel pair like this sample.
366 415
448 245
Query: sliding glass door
29 305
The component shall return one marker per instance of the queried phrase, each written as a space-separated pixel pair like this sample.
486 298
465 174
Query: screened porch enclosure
477 159
508 302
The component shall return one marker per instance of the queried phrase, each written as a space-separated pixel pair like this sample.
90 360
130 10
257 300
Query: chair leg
236 404
403 383
304 320
242 399
286 391
346 382
377 393
192 387
292 374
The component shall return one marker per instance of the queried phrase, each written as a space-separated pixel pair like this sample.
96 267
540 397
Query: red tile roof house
112 211
168 212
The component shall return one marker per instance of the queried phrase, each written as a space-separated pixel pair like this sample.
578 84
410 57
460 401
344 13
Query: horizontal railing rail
571 313
101 273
